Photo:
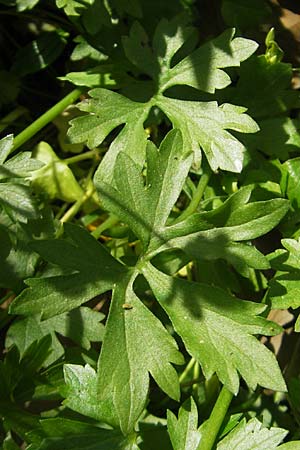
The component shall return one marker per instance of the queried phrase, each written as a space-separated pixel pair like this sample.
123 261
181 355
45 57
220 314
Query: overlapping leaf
90 271
218 330
81 325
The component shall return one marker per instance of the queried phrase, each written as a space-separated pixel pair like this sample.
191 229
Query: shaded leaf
218 330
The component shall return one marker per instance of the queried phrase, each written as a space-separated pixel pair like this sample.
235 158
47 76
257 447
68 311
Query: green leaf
243 223
290 181
205 124
252 435
202 69
293 445
17 201
80 325
146 207
202 124
39 54
184 430
143 347
6 145
81 390
218 330
58 433
94 271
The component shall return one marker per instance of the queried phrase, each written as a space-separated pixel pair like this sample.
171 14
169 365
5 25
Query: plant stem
109 222
77 158
11 117
203 182
186 370
77 205
46 118
213 424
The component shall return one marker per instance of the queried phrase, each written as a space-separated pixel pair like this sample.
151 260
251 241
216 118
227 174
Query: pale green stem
77 205
196 198
12 117
77 158
109 222
186 370
212 426
46 118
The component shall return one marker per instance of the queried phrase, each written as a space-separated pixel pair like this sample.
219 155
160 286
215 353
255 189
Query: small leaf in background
218 330
284 287
54 178
252 435
244 14
10 87
184 431
290 181
265 89
39 54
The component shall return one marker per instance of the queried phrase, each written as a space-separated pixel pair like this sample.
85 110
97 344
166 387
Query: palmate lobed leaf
217 329
202 124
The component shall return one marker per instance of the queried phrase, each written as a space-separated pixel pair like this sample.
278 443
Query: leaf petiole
216 418
46 118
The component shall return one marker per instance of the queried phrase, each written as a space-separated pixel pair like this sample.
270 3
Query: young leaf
252 434
218 330
54 177
183 431
143 347
93 271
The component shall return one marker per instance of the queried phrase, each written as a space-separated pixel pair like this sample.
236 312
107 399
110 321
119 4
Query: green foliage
146 236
